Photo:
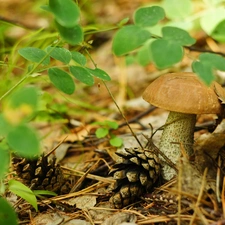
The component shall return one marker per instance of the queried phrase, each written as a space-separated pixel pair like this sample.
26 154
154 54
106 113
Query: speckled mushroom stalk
185 96
178 133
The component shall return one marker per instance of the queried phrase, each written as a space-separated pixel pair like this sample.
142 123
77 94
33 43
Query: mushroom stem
178 130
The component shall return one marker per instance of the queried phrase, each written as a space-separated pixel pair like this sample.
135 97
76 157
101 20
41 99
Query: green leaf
213 60
72 35
123 22
5 159
100 74
62 80
212 18
143 55
60 54
116 141
7 213
82 74
23 191
27 95
219 32
101 132
66 12
177 9
21 106
44 192
148 16
24 141
177 35
5 126
79 58
165 53
112 124
35 55
204 71
129 38
46 8
130 59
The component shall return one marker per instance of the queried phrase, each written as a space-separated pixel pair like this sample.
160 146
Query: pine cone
135 172
41 174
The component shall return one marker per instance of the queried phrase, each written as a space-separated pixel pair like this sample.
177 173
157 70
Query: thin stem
29 73
117 106
195 49
95 65
13 87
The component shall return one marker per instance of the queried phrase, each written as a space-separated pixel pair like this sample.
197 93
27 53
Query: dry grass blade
87 190
90 176
196 207
223 197
157 219
49 153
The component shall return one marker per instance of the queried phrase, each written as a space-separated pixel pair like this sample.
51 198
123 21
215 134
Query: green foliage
39 193
67 15
148 16
66 12
99 73
82 74
79 58
177 9
35 55
61 54
115 141
161 49
105 130
24 141
72 35
62 80
129 38
165 48
212 18
59 77
24 192
219 32
207 64
5 159
170 44
7 213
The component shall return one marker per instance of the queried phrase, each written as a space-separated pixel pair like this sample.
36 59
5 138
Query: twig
139 116
196 208
195 49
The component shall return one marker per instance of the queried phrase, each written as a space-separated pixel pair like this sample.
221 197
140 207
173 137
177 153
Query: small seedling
105 131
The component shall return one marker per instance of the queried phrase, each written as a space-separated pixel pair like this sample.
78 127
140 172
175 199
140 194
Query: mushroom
185 96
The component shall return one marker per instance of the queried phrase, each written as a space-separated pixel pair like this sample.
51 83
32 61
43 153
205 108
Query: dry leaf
84 201
120 218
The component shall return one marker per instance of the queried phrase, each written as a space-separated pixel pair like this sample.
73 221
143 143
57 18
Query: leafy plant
165 47
20 106
7 214
66 15
106 131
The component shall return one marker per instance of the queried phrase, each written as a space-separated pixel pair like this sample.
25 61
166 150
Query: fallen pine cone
41 174
135 172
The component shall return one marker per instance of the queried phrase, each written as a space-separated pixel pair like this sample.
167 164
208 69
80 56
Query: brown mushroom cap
185 93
